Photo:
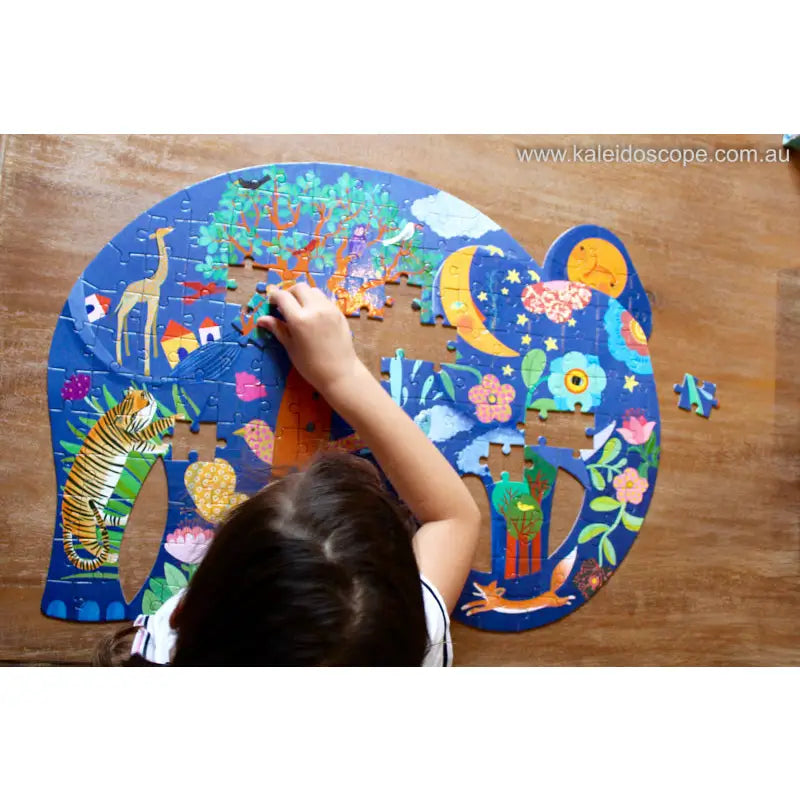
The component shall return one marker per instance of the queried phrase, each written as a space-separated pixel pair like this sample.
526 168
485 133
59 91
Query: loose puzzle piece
697 394
161 328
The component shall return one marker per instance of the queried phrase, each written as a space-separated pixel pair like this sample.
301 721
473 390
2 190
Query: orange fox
492 595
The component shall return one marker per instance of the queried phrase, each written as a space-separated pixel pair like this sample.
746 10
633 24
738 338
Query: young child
323 567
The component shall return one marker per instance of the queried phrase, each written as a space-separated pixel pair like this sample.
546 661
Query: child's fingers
275 327
303 293
287 303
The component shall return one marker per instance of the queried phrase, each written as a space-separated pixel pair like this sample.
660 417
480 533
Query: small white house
97 306
209 331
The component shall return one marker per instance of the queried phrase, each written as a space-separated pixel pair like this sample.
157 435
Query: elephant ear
595 256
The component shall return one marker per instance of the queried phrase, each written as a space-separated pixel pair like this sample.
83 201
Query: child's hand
316 336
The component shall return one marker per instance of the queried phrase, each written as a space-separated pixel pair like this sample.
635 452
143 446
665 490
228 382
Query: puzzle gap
141 541
247 278
568 496
204 442
514 463
376 339
483 554
560 429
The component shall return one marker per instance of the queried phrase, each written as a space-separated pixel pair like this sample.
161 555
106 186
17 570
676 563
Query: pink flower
556 299
492 399
189 544
636 430
248 387
630 486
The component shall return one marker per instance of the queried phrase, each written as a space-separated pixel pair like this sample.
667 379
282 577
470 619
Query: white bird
404 235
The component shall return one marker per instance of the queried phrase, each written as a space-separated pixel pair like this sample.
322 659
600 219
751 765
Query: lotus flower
189 544
636 429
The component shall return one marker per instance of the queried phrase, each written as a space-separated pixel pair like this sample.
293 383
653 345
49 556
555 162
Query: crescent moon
459 308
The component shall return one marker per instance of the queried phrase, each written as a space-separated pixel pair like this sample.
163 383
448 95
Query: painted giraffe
147 290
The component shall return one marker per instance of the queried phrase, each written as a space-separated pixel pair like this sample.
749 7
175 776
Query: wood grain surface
714 578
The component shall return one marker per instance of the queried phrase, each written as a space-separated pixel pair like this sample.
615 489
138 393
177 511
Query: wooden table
715 576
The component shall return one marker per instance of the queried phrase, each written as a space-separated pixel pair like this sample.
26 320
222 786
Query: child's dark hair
315 569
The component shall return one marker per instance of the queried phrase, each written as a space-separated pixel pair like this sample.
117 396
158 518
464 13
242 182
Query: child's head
315 569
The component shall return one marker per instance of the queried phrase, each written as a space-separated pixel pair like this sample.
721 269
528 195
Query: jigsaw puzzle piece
697 395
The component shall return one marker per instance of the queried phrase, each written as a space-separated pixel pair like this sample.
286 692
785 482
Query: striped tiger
125 428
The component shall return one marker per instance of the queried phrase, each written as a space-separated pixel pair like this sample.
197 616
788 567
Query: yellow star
504 290
571 322
513 276
521 319
526 339
508 370
483 297
534 275
630 382
550 343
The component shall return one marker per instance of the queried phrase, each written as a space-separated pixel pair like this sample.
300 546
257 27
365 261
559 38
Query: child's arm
318 340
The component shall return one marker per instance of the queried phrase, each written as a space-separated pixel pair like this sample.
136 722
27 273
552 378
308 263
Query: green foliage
533 365
522 511
543 405
604 504
650 453
609 551
631 522
447 382
161 589
611 449
590 531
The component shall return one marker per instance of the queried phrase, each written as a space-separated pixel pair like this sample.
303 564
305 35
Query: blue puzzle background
569 333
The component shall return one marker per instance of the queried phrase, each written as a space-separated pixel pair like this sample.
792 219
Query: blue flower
626 339
576 378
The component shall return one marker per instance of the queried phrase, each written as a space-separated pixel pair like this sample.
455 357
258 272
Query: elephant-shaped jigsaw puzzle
151 337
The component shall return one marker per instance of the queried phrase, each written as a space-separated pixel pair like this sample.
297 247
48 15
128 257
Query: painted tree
520 504
332 234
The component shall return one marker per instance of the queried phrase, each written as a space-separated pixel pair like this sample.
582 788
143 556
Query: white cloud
448 216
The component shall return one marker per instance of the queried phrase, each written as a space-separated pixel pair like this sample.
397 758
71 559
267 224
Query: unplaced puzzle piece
701 395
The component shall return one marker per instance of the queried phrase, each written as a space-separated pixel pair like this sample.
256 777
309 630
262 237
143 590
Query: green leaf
631 522
176 580
78 433
189 400
590 531
140 465
118 507
94 404
643 467
533 366
111 401
598 481
610 450
609 551
543 406
447 382
150 603
604 504
71 447
159 588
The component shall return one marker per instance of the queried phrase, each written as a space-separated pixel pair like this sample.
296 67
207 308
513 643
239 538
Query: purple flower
76 387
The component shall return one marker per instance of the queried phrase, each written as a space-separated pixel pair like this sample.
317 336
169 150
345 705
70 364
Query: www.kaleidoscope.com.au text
628 154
